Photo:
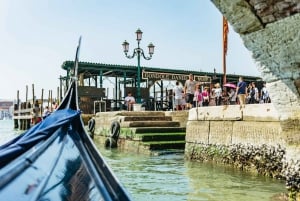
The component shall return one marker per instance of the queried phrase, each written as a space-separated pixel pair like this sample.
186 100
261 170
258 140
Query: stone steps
147 118
149 124
140 113
153 131
158 145
149 132
145 137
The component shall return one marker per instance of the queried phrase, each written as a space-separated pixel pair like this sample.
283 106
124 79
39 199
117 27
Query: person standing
248 93
189 90
265 94
241 92
254 95
205 95
217 91
36 118
177 92
198 96
232 96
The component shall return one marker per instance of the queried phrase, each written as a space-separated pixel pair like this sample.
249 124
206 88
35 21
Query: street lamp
138 51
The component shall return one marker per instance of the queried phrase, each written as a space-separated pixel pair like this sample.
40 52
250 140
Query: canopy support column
116 92
101 78
124 78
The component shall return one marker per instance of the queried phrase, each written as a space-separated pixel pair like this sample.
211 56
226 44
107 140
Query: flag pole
225 43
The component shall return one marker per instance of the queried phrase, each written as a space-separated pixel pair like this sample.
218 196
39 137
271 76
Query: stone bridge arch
270 29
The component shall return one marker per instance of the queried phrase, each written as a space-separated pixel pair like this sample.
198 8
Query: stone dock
251 138
148 132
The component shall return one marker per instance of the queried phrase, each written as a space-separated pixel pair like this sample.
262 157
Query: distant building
6 104
6 109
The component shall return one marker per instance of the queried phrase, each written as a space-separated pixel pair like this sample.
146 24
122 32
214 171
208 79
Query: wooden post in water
57 96
18 100
42 103
60 87
26 105
51 100
32 106
33 97
26 97
16 121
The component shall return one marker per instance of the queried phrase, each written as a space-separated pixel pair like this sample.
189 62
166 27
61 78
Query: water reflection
171 178
70 179
217 182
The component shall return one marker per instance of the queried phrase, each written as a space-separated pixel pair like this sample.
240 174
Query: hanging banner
172 76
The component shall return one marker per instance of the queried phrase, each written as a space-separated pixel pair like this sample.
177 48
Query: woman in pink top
198 97
205 96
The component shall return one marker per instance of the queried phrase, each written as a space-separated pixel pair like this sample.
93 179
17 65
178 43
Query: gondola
57 160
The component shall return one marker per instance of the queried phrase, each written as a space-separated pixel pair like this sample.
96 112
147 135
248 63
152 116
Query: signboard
172 76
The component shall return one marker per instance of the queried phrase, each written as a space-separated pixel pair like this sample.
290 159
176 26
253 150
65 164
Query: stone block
106 114
291 129
216 113
260 112
292 153
257 133
220 132
180 116
103 122
197 132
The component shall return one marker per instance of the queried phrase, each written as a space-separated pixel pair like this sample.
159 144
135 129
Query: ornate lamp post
138 52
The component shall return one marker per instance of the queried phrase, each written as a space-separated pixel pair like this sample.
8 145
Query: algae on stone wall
265 160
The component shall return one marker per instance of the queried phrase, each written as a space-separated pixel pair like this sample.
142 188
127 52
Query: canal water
171 178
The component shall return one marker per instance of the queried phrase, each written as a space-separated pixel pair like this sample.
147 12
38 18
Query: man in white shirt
129 101
177 92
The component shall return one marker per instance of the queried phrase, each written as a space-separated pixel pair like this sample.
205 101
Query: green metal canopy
114 70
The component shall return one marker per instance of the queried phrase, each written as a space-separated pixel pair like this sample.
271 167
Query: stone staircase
151 131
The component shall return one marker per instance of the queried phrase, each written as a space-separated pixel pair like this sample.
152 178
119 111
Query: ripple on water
7 131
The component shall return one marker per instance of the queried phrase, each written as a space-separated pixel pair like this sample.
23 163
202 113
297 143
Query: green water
171 178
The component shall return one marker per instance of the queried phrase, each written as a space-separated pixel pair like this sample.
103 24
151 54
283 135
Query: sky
37 36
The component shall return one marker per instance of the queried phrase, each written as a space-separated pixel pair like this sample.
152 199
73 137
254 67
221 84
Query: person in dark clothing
241 92
254 97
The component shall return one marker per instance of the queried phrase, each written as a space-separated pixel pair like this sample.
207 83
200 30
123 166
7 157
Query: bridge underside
270 30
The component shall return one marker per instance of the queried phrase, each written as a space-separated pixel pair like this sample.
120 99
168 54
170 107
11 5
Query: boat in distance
57 160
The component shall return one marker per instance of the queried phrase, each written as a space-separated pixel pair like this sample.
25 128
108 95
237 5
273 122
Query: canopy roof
115 70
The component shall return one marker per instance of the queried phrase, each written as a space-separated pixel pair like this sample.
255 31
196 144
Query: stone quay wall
251 138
